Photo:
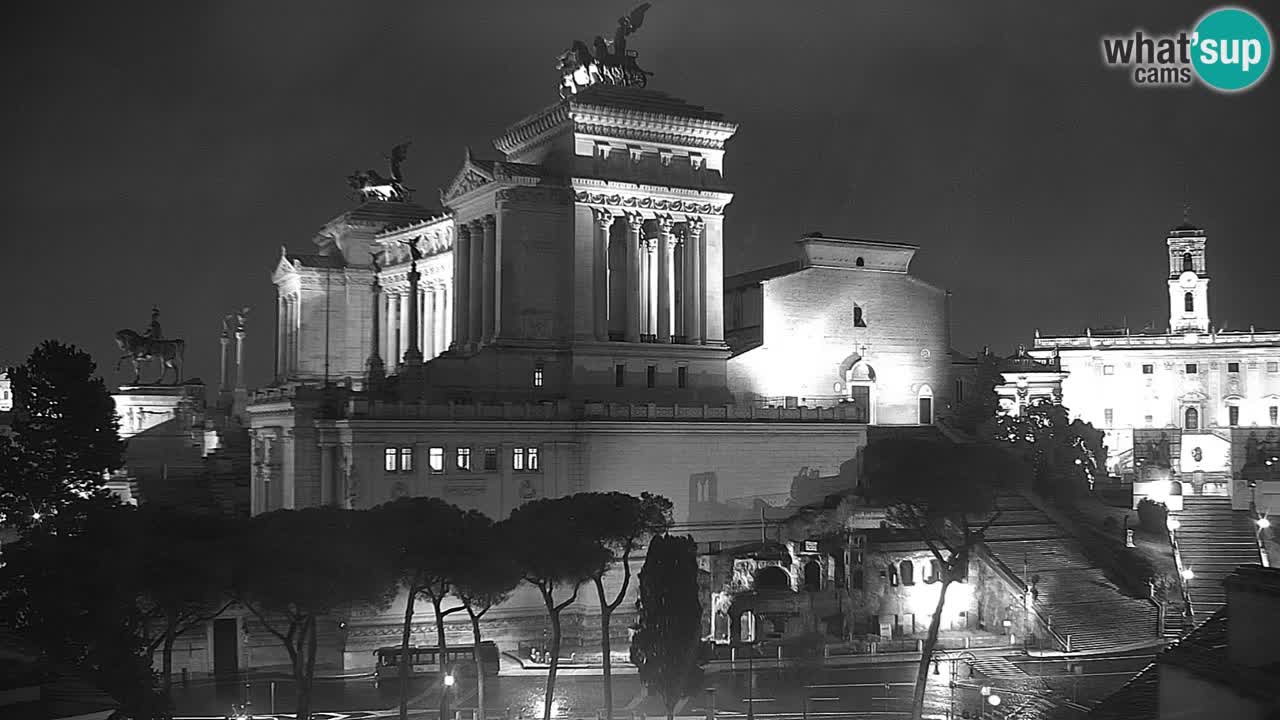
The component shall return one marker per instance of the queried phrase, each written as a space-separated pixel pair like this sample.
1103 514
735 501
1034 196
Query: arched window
859 262
813 576
908 572
772 578
858 320
1187 263
1189 302
1192 416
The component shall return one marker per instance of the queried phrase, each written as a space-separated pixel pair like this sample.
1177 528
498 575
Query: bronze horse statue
140 349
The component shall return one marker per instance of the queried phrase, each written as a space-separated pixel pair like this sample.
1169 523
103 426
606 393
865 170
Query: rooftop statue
371 185
611 63
143 347
414 252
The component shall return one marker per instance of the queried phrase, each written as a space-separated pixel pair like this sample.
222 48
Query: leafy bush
1153 516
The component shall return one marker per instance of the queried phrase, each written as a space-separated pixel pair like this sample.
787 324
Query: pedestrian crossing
999 668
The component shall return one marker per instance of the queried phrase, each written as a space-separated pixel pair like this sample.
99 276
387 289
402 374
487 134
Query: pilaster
634 308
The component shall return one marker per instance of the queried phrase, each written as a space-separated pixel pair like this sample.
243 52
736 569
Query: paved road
882 691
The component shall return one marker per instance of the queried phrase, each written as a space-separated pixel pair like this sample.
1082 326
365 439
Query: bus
426 660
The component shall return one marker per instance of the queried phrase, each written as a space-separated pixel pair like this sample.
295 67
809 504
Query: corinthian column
488 275
603 221
651 287
475 302
693 294
412 353
429 322
666 271
634 307
461 285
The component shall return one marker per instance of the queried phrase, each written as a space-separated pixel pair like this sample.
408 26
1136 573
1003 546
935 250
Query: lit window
1149 420
1108 369
1233 415
491 458
1192 369
524 459
435 458
619 374
682 376
1148 369
537 376
1233 367
463 458
1273 413
1109 416
651 376
858 320
406 459
389 459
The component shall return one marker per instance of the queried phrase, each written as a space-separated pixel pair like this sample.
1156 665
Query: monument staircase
1072 594
1213 540
228 471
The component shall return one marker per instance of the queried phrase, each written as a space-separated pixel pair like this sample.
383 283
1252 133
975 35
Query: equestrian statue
144 347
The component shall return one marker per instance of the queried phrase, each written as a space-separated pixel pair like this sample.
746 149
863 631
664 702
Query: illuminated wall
847 316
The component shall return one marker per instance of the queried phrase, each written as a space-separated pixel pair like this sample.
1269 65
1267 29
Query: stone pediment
471 176
284 266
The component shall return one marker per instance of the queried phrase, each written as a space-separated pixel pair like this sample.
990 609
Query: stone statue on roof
412 243
610 64
371 185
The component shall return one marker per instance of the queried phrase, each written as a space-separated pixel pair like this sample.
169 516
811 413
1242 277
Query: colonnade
434 329
476 280
661 278
288 324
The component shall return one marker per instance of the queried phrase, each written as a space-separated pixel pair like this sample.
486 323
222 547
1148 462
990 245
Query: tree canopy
1067 456
667 644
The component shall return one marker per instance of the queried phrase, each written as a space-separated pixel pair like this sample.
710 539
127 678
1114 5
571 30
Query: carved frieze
625 132
648 203
534 195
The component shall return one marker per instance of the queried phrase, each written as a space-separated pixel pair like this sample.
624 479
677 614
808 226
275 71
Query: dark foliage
667 647
1153 516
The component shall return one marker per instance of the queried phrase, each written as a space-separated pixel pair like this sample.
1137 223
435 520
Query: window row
1191 417
1191 368
400 459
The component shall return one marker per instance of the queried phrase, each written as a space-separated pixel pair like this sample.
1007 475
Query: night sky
161 152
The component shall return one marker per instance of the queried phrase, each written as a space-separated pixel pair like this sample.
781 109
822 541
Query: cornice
531 129
642 197
649 126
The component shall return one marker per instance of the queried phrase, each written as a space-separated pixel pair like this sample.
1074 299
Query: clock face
1187 279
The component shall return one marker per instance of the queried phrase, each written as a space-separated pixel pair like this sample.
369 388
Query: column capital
603 217
694 223
665 224
463 230
489 222
635 221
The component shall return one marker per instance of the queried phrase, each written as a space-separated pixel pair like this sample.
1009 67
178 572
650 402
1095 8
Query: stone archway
813 576
772 577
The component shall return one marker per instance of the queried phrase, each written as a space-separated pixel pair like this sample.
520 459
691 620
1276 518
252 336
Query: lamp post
449 681
952 658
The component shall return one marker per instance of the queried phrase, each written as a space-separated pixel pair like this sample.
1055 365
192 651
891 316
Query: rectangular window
1109 415
651 376
537 376
491 458
517 459
682 376
435 459
406 459
531 459
1233 367
464 459
1233 415
524 459
619 374
1273 413
1148 420
1108 369
389 459
1148 369
959 391
1273 367
1192 369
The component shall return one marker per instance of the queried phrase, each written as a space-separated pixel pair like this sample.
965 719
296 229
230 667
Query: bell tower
1188 280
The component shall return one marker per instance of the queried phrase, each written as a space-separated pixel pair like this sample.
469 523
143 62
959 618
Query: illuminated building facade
1194 405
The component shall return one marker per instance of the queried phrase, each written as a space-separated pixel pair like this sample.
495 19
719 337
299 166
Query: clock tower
1188 280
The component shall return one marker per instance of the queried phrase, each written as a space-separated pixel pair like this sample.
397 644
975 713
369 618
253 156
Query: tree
68 586
946 495
667 646
175 595
426 541
65 437
302 565
553 554
485 580
1067 456
621 523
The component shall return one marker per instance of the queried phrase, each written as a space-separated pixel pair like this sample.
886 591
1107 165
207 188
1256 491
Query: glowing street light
448 680
1187 574
993 699
1173 524
1263 523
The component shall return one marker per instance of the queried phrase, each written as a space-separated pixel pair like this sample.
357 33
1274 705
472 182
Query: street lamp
1173 524
1263 523
1187 574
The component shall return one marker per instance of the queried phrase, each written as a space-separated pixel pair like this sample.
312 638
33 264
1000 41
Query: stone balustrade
359 407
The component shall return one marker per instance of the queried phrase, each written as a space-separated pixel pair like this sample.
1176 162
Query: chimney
1253 604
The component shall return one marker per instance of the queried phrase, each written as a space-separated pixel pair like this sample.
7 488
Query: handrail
1182 584
1045 622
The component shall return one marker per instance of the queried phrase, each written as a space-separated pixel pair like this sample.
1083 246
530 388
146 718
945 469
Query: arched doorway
772 578
1191 419
813 576
860 380
924 399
